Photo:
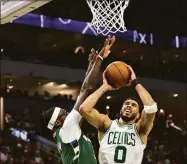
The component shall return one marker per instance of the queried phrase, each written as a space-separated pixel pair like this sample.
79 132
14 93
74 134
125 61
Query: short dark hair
47 115
140 104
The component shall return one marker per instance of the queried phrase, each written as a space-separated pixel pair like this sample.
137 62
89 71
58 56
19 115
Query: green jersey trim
56 135
122 125
136 130
106 131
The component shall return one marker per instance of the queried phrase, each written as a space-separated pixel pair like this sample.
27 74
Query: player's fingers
114 88
108 52
112 41
95 54
109 37
129 83
104 74
92 50
92 55
130 67
107 42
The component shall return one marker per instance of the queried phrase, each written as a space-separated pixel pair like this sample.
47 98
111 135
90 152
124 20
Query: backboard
13 9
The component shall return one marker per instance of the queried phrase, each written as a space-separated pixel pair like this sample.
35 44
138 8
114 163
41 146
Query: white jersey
71 129
121 144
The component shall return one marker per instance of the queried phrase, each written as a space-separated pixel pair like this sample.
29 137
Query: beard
127 119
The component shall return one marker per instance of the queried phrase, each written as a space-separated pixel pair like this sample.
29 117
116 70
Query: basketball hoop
108 15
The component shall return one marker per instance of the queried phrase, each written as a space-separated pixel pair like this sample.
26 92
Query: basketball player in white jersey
123 140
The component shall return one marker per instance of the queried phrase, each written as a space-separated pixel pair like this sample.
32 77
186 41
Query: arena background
43 61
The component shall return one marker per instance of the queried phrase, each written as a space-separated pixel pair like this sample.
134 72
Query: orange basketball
117 74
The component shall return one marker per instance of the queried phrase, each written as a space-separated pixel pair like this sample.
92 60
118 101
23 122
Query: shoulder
106 122
73 118
68 135
71 129
106 119
108 125
75 113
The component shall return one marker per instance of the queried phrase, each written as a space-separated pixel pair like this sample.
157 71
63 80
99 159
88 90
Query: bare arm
91 59
145 123
87 111
147 119
90 81
91 115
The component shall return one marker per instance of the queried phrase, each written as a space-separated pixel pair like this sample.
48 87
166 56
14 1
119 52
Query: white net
108 15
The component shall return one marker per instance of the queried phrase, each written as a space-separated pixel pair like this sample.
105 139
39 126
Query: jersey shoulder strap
136 130
107 130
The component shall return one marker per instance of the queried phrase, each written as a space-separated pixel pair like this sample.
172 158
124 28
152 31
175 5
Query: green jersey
76 150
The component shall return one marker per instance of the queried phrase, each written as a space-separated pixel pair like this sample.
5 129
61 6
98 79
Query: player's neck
122 122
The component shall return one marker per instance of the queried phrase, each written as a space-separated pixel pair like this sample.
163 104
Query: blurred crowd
149 63
16 151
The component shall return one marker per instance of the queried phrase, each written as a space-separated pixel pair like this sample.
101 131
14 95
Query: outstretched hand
107 45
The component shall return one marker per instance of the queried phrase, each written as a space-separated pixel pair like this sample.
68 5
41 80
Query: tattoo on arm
91 77
146 123
89 68
89 83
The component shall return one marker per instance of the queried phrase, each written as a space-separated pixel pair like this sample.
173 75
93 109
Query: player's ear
137 116
58 123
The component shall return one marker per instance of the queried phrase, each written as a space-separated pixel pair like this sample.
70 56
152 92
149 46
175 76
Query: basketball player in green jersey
74 147
123 140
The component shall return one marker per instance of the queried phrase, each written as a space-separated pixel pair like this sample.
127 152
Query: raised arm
148 114
92 74
145 123
71 125
88 86
92 115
